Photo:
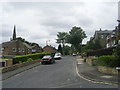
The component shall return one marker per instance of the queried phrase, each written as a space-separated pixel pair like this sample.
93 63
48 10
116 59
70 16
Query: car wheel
43 63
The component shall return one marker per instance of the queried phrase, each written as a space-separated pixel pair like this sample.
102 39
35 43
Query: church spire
14 33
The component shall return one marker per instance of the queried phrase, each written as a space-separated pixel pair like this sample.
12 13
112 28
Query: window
23 50
19 50
101 36
119 42
2 49
14 49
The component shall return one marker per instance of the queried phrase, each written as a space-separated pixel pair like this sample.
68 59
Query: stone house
48 48
114 39
6 62
102 35
15 48
36 49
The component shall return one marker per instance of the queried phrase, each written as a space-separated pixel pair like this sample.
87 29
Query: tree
23 40
67 50
60 48
75 37
62 38
94 44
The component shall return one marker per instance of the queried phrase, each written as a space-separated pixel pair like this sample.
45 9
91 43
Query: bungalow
49 49
36 49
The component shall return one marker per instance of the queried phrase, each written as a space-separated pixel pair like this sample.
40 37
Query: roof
28 46
5 44
36 46
105 31
49 46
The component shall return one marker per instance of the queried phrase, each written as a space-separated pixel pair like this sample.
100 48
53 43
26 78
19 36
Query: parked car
74 54
47 59
57 56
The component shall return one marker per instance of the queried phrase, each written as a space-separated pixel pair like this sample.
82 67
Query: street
62 74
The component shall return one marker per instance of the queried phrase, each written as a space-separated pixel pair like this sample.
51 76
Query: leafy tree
117 52
75 37
60 48
94 45
61 38
21 39
29 43
67 50
33 44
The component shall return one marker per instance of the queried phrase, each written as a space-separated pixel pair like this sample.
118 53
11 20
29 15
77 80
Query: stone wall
91 62
16 66
107 70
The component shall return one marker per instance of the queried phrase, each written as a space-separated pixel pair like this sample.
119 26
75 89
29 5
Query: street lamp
47 42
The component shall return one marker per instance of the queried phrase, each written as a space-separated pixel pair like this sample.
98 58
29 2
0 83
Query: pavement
9 74
91 73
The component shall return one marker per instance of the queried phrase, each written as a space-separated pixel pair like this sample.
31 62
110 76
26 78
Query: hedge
101 52
108 60
25 58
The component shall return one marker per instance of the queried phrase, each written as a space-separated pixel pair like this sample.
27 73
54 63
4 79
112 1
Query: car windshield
46 57
57 54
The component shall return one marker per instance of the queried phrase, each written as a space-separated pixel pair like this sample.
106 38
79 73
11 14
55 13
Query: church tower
14 33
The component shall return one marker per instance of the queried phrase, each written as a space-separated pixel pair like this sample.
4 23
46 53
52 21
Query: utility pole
47 42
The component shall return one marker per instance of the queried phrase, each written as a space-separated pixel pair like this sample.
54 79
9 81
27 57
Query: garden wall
107 70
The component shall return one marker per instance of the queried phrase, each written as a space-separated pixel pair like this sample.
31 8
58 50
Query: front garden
106 59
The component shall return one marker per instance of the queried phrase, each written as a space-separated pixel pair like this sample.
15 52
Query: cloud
40 21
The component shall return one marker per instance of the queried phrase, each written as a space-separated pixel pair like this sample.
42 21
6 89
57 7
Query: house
48 48
6 62
102 35
114 39
36 49
14 47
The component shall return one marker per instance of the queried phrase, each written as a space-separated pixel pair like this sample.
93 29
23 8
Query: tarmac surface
65 73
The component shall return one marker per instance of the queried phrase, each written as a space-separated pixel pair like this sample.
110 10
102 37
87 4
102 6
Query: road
62 74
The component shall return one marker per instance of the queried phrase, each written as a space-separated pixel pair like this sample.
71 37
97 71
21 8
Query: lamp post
47 42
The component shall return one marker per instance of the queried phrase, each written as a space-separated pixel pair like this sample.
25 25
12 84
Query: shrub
24 58
110 61
29 59
101 52
117 52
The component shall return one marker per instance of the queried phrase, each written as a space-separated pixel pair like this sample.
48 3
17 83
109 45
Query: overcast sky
40 21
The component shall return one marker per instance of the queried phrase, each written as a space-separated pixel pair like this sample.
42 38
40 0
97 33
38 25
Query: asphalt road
62 74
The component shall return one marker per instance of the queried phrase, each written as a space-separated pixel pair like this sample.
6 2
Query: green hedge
25 58
109 60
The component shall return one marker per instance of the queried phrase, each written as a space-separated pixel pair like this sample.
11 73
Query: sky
40 20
